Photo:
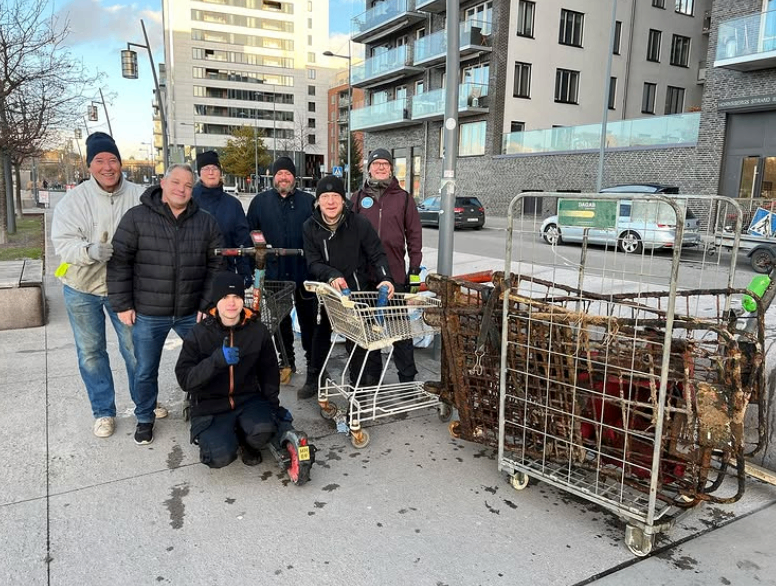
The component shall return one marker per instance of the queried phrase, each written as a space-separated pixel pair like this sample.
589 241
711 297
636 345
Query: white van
230 189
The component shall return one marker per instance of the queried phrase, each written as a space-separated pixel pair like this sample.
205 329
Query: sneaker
250 457
144 433
104 426
161 412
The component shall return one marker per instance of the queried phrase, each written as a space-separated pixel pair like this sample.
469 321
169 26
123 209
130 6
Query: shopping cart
357 318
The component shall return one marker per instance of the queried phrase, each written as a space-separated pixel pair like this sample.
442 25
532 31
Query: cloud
92 21
338 43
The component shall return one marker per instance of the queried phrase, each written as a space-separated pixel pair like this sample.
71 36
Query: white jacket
88 215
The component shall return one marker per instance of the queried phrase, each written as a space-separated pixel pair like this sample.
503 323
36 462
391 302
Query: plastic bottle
382 301
758 285
345 292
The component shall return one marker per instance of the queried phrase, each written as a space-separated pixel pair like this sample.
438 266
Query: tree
41 85
356 171
240 154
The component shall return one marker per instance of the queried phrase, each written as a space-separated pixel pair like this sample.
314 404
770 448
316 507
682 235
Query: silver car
640 225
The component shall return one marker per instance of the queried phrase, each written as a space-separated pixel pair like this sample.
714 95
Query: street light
350 104
129 71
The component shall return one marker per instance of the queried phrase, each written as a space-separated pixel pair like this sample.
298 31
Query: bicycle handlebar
245 251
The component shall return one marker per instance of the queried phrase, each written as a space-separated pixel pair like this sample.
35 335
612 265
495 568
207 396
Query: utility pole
607 90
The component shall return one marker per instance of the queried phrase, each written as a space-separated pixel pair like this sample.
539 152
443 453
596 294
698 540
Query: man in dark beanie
83 226
229 369
393 213
227 210
280 213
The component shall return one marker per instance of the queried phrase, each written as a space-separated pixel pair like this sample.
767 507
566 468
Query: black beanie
380 155
226 283
99 142
328 184
283 164
208 158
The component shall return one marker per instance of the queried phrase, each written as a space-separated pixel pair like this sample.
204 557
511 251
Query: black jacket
214 386
281 220
350 251
163 265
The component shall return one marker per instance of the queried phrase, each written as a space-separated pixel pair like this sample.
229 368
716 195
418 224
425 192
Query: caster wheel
299 468
328 411
455 429
445 412
639 543
519 480
359 439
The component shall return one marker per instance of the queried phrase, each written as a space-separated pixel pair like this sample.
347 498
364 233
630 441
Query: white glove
100 252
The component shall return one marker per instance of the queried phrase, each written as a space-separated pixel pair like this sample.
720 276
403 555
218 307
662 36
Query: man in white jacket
82 229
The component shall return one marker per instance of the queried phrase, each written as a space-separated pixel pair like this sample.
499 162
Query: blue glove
283 414
231 353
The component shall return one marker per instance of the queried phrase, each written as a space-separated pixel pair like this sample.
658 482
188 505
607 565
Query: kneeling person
229 369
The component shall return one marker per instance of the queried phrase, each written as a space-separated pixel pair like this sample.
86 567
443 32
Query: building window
567 86
659 3
516 126
476 74
310 139
612 93
310 90
311 57
617 37
482 14
685 6
419 87
571 24
310 6
680 51
648 98
311 106
674 100
420 33
522 80
309 23
653 45
309 40
311 74
525 18
472 139
311 122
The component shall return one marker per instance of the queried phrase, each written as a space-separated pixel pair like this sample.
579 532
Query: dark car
469 212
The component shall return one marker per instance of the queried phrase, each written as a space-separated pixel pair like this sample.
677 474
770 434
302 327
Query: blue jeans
149 334
87 319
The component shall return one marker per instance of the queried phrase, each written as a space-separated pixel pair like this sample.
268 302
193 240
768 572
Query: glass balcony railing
432 103
430 5
655 132
433 47
380 115
383 14
382 65
747 43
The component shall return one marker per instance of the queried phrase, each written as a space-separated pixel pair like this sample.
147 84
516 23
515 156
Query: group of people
145 260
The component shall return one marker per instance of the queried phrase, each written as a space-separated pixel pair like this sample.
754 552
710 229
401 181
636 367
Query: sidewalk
415 507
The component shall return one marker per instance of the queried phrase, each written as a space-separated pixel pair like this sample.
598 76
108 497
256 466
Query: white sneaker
104 426
160 412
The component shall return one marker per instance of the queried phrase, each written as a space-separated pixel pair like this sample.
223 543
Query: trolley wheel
359 438
638 542
328 410
454 428
519 480
445 412
298 471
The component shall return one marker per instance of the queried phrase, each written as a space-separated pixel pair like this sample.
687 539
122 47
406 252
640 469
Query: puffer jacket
88 215
352 251
163 265
394 215
214 386
281 219
229 213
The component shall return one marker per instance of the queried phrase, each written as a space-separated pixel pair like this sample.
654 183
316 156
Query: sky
100 30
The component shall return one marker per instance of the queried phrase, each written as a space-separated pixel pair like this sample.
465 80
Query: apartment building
233 63
341 96
524 65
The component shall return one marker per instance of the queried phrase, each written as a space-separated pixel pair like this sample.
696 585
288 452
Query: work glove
413 279
231 353
100 251
283 414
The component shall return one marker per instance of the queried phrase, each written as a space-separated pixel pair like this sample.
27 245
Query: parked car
640 225
230 189
468 211
641 188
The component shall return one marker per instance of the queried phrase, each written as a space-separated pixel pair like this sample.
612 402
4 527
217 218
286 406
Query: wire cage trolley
627 392
276 303
358 318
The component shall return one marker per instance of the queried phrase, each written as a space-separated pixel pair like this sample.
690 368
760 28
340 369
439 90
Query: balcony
381 116
747 43
642 133
385 67
701 72
384 19
344 102
472 99
432 49
434 6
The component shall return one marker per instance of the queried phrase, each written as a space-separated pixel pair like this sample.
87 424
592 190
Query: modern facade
255 63
524 66
341 95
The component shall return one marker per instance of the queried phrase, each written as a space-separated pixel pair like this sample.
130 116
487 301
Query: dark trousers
306 308
219 436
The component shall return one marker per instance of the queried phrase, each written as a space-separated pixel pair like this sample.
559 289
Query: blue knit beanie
99 142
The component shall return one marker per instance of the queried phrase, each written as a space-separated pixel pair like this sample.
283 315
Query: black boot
310 388
250 457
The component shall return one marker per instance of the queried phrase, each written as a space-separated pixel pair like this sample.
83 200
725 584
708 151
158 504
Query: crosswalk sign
336 171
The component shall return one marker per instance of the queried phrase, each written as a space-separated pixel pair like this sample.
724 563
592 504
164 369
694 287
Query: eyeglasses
209 169
330 195
382 164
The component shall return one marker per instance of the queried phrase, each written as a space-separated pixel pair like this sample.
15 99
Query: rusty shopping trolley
358 318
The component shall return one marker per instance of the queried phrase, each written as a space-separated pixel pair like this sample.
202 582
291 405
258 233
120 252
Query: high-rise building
524 65
255 63
342 99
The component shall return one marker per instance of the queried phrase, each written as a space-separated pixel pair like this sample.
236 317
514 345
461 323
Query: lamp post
350 104
129 71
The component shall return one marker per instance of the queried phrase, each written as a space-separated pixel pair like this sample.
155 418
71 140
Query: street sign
336 171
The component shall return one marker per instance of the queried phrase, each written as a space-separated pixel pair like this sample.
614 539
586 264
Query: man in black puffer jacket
158 278
228 367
